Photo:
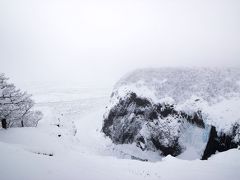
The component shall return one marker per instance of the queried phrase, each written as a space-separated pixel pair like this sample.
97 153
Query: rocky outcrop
139 114
220 142
158 127
151 126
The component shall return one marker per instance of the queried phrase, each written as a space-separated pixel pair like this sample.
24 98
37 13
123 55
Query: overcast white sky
100 40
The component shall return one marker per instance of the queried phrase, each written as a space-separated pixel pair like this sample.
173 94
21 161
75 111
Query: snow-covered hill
185 112
211 84
82 152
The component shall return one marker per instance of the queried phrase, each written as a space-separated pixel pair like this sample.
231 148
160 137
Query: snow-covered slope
180 84
174 110
82 152
216 90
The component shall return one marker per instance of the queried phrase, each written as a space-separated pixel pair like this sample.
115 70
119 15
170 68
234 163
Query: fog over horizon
100 41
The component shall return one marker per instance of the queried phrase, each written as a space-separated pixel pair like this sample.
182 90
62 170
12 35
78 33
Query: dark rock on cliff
220 142
151 126
176 111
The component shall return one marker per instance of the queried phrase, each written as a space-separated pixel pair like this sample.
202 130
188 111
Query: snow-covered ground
68 144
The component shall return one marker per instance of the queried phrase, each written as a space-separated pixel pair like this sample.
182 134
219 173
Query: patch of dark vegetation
140 102
45 154
173 150
121 110
195 119
139 159
165 110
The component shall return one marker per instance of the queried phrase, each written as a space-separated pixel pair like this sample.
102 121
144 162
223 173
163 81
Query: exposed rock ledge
139 113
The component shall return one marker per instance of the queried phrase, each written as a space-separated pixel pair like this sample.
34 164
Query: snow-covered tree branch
16 106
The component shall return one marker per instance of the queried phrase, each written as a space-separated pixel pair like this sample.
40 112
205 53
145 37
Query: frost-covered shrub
16 106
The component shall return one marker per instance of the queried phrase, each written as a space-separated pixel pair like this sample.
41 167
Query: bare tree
16 106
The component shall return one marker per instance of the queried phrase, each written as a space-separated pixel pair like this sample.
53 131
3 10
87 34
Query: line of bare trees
16 106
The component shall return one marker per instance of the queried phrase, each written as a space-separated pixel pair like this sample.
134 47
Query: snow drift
185 112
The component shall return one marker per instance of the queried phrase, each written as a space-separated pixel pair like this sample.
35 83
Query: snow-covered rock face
176 111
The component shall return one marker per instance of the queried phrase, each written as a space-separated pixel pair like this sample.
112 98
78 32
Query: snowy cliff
185 112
